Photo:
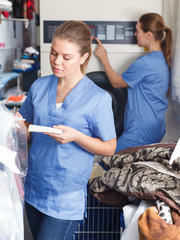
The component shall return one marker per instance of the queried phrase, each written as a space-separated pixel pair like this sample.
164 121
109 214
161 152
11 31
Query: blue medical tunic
148 80
58 173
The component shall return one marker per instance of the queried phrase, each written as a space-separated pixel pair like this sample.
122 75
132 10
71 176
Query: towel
152 226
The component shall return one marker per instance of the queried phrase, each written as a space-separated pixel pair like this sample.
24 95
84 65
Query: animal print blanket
142 172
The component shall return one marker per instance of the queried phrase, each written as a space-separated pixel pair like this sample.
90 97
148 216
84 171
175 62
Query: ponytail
154 23
166 45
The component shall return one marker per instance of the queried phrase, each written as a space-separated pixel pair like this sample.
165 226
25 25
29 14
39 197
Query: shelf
25 20
5 48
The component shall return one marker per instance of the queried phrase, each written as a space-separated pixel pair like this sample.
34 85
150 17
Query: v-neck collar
68 99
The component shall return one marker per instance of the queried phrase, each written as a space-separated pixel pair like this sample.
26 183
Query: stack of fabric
28 62
30 55
144 173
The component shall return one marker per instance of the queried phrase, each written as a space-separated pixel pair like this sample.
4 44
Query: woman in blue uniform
147 80
59 165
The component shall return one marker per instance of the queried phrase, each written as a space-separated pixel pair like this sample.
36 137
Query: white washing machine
106 16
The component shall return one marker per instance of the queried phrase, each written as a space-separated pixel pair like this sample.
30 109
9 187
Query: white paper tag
176 153
37 128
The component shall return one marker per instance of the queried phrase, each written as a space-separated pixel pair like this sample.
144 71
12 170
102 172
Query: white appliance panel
102 10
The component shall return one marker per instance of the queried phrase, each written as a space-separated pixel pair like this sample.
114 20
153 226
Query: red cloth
5 14
30 9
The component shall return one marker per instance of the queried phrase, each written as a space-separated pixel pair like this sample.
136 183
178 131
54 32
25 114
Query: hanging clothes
29 9
17 8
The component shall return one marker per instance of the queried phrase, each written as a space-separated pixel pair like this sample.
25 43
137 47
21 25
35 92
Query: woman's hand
23 124
100 52
115 79
20 122
90 144
68 134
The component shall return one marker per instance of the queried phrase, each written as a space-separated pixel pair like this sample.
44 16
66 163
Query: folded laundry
5 3
15 98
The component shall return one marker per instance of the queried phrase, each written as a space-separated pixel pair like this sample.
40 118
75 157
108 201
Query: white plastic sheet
13 168
13 138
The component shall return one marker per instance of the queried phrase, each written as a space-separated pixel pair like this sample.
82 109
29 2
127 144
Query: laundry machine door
119 98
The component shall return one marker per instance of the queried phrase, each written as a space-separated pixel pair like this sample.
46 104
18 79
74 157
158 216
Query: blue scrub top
58 173
148 80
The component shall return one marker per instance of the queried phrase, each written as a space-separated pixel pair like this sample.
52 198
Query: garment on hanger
30 9
17 8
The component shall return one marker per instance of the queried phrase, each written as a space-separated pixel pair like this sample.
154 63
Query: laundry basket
102 222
